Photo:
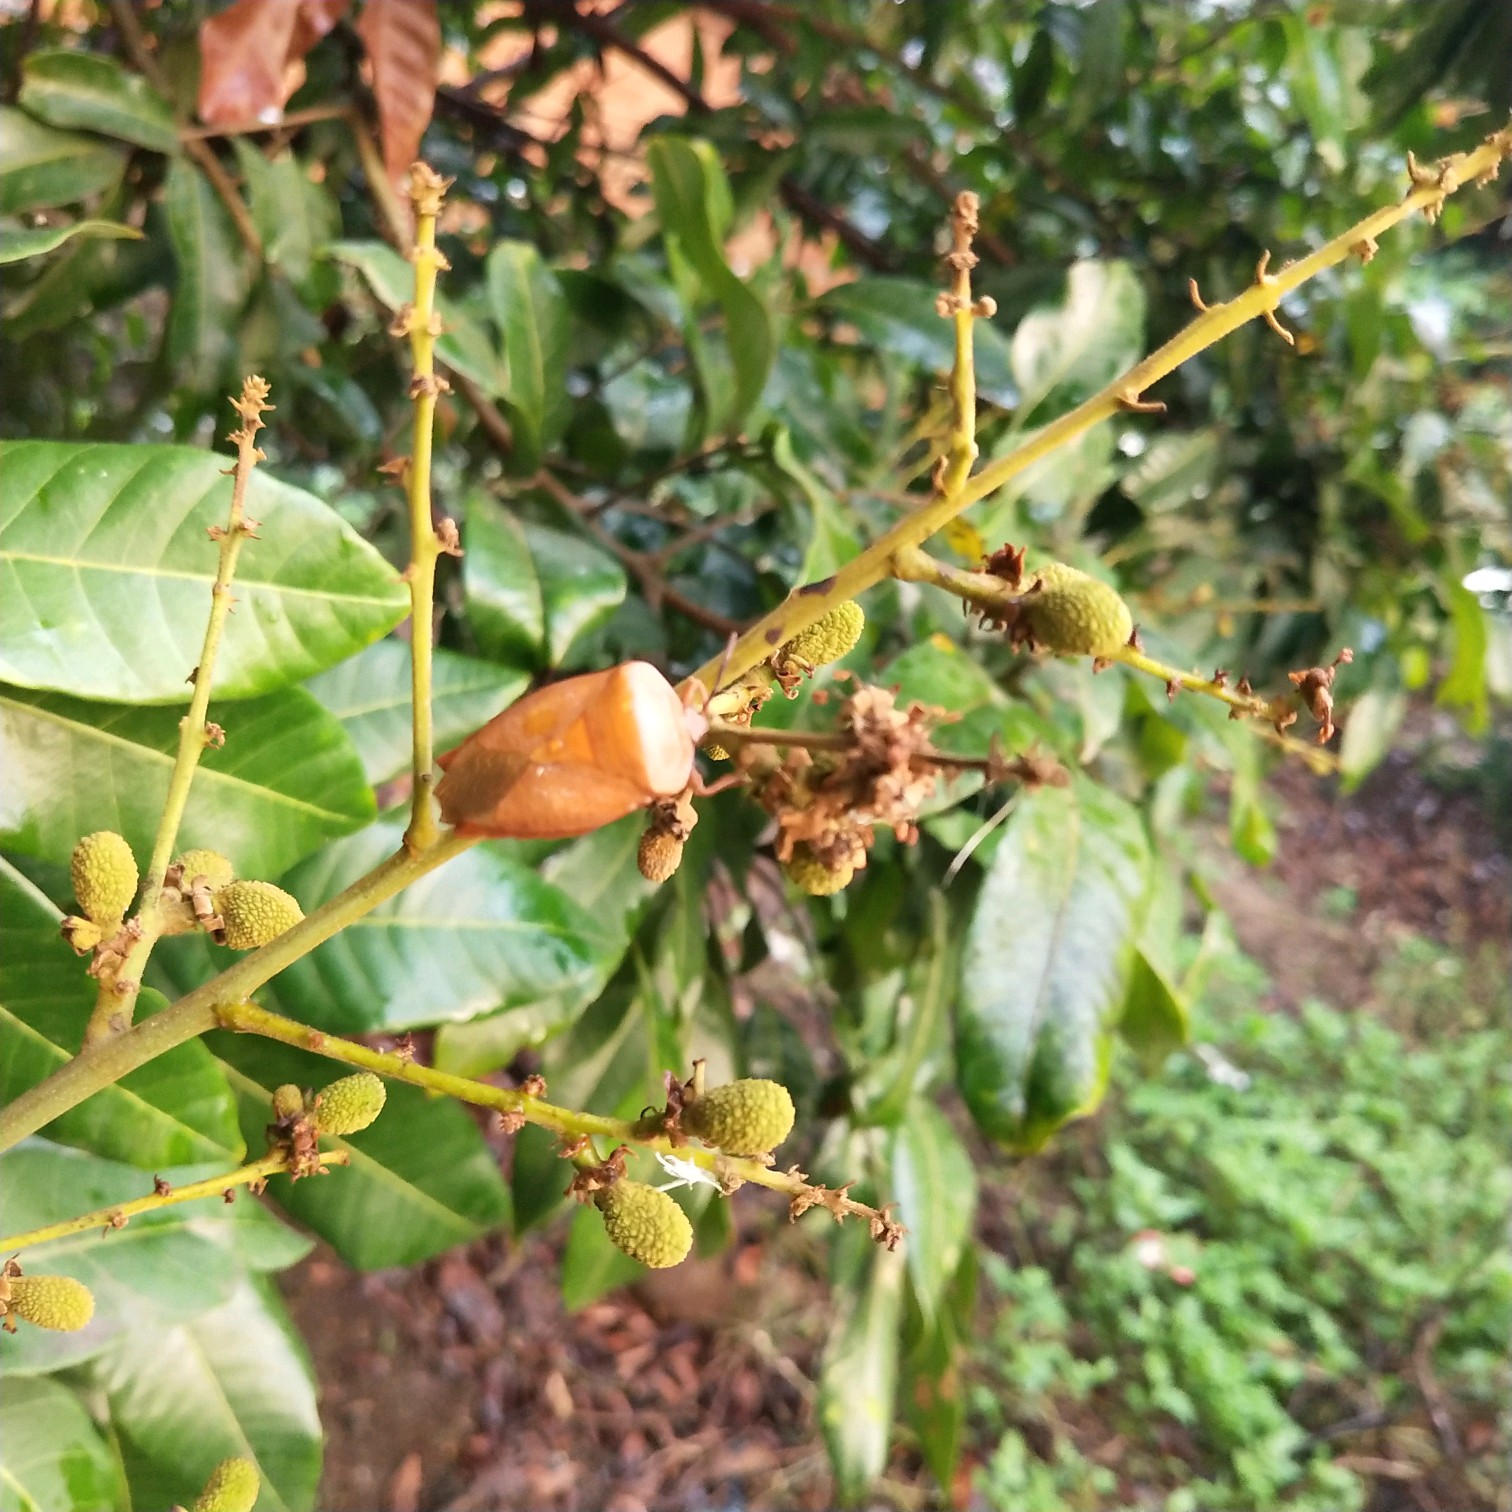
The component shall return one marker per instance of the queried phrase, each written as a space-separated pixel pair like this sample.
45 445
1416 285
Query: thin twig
806 605
118 1214
518 1106
115 1001
141 55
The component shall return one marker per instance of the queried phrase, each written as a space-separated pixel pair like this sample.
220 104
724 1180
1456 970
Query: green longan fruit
646 1224
747 1117
253 913
104 877
1076 614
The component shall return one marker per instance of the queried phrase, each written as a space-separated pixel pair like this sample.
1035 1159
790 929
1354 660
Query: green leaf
51 1456
531 313
175 1110
370 695
421 1179
295 217
286 781
1062 356
236 1380
1464 687
212 283
1156 1018
897 317
107 569
591 1265
934 1398
40 167
1369 728
163 1267
533 591
858 1379
463 346
485 933
934 1185
95 93
17 246
1047 962
693 202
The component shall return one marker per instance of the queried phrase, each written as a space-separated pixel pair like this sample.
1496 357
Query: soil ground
465 1386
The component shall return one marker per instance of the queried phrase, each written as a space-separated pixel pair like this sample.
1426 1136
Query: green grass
1340 1209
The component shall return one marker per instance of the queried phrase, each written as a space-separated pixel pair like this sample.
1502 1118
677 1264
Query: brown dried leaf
403 41
246 50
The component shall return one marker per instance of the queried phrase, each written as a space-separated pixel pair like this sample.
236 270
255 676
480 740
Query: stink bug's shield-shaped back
570 757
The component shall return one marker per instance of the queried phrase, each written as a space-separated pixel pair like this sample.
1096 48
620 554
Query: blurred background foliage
696 362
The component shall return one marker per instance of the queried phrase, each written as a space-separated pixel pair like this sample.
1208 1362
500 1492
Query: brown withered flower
1315 685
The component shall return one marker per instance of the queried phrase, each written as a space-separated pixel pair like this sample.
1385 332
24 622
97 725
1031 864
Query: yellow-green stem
120 1213
115 1001
426 193
569 1123
810 603
98 1066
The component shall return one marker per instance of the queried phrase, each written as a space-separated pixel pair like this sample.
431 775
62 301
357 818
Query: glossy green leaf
527 305
485 932
693 201
235 1380
175 1110
1062 355
163 1267
106 567
370 694
421 1178
897 317
95 93
859 1377
533 591
17 246
52 1458
286 781
41 167
212 284
934 1185
1047 961
591 1265
1464 687
463 346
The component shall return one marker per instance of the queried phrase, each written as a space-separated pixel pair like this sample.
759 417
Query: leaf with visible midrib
106 569
286 781
236 1380
1047 961
37 241
41 167
70 88
175 1110
50 1454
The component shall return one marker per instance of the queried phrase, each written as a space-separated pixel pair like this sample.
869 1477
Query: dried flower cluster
830 802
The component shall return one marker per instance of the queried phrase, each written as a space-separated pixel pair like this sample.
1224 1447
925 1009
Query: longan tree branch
115 1002
997 598
118 1214
98 1066
422 325
520 1107
806 605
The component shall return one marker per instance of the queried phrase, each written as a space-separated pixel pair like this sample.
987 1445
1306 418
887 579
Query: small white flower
684 1172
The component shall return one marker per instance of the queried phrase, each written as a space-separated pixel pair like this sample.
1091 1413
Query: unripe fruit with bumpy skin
659 856
57 1302
1076 614
232 1487
252 913
747 1117
211 865
646 1224
104 876
288 1101
811 875
350 1105
830 637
